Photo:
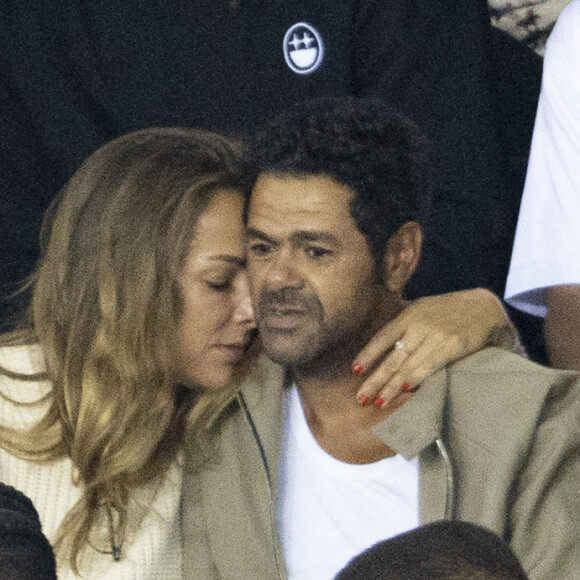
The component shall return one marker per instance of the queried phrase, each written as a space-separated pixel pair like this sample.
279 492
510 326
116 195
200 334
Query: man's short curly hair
362 143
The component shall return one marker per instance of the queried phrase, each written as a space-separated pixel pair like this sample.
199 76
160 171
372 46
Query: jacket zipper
449 479
273 523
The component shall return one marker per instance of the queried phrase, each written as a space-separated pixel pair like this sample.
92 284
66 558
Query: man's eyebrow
298 237
314 236
254 233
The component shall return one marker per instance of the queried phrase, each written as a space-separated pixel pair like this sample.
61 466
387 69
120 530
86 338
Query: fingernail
358 370
363 400
405 386
379 401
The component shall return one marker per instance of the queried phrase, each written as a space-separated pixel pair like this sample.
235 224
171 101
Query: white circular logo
303 48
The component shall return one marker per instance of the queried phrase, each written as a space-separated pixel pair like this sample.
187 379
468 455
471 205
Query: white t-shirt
547 243
330 511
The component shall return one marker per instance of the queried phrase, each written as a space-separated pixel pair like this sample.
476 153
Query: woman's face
217 317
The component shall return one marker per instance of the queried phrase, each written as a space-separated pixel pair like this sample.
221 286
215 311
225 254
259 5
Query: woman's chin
215 378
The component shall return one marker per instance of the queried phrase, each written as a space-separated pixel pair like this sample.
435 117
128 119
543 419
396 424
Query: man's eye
260 249
316 252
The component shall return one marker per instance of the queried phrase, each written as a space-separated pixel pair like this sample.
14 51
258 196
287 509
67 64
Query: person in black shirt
76 74
25 553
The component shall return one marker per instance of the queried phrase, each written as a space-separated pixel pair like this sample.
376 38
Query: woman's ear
402 256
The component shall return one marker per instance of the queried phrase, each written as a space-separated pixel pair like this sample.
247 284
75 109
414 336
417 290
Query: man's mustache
287 298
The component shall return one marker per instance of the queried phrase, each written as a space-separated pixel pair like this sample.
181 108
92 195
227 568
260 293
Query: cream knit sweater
155 553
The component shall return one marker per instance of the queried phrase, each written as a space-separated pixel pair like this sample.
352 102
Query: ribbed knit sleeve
154 552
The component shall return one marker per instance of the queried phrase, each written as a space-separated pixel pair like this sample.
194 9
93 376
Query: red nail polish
363 400
358 370
379 401
405 386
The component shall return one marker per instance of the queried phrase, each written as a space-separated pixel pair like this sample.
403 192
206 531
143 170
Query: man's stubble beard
293 346
317 349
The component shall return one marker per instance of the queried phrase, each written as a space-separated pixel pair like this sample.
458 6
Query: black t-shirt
76 73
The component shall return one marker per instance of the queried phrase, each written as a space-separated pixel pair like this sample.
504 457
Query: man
444 550
544 275
307 477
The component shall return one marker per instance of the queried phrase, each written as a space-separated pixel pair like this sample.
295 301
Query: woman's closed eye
219 285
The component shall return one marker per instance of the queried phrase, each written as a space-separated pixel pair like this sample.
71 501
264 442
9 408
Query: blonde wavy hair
105 307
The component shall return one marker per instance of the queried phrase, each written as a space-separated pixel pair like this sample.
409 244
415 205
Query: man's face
312 276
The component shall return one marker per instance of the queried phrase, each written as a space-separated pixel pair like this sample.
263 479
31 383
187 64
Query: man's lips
281 317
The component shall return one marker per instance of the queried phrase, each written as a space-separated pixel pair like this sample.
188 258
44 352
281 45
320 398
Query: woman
139 320
137 300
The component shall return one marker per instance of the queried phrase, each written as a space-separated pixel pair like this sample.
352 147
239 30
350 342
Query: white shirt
547 243
330 511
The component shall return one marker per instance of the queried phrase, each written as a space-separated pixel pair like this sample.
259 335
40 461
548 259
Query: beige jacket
498 440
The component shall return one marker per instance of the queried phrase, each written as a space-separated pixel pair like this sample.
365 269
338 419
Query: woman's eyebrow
236 260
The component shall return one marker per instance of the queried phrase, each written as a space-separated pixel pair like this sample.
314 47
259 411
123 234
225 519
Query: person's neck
327 389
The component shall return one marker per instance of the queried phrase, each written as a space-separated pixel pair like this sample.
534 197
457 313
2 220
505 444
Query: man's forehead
301 209
280 192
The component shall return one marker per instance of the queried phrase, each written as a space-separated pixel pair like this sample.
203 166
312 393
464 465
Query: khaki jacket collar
415 429
261 399
418 423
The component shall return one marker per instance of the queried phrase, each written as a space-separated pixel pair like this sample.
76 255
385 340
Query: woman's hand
430 333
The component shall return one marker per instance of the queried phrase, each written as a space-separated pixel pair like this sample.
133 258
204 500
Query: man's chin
287 350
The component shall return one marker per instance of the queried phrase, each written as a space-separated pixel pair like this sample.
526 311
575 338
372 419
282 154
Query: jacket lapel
262 394
415 429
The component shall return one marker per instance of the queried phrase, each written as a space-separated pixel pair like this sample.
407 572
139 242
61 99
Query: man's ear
402 256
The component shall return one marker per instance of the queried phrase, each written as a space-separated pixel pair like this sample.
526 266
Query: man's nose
282 272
